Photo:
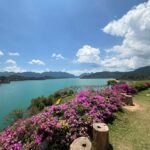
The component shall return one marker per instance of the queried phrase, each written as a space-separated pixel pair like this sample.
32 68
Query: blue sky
71 35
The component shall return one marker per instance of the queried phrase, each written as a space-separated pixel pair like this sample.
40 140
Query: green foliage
140 85
14 116
63 93
112 82
37 104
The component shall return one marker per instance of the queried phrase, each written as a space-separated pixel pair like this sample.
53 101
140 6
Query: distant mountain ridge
142 73
138 74
104 74
49 74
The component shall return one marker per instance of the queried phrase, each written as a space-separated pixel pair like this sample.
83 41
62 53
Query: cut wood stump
128 99
100 136
81 143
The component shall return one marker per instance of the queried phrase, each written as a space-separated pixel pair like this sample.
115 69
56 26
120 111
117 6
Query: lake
18 94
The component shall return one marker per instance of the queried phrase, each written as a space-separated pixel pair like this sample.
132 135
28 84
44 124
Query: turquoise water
19 94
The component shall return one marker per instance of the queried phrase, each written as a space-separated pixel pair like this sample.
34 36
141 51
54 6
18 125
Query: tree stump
81 143
128 99
100 136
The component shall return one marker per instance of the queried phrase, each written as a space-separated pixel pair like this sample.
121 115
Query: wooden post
81 143
128 99
100 136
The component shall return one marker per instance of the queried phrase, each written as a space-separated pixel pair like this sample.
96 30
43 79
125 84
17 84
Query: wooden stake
128 99
81 143
100 136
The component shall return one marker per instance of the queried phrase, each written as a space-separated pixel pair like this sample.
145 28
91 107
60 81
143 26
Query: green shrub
14 116
112 82
140 87
70 92
57 94
38 104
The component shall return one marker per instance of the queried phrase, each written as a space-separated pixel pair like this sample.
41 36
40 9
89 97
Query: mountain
142 73
145 69
34 75
104 74
58 74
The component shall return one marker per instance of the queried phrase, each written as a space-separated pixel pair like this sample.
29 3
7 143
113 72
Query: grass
137 82
131 130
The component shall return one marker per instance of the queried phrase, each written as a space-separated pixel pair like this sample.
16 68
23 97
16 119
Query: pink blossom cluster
124 88
58 125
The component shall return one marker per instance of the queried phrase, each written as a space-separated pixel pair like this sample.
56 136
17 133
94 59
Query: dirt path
135 107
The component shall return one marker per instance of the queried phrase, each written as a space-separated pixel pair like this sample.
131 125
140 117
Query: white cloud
57 56
11 62
124 64
114 64
134 27
14 68
1 53
88 54
36 62
13 54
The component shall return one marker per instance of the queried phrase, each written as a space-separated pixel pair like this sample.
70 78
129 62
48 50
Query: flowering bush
124 88
147 84
58 125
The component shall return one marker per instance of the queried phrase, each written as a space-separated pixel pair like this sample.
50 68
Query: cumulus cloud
57 56
13 54
124 64
11 62
36 62
1 53
134 27
88 54
14 68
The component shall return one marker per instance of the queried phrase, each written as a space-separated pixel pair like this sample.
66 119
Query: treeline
4 79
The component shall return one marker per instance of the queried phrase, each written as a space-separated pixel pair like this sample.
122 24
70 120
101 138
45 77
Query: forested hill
138 74
142 73
6 77
105 74
39 75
